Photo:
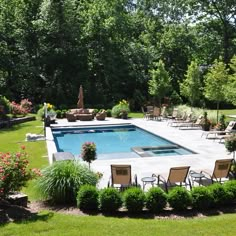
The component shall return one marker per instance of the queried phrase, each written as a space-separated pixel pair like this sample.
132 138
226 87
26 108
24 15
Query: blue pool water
112 139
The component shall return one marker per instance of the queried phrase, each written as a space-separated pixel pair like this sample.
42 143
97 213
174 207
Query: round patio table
148 180
196 177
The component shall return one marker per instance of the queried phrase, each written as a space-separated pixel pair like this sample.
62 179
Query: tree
160 82
215 80
222 15
191 87
230 87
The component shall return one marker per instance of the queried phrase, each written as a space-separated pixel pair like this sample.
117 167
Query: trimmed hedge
179 198
110 200
134 199
156 199
87 198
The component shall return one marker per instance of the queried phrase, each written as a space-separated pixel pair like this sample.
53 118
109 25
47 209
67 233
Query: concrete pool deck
207 150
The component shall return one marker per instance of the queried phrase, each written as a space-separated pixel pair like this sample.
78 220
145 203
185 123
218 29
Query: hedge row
155 200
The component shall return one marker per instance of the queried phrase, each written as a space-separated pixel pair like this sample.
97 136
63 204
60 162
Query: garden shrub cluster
15 172
121 110
155 200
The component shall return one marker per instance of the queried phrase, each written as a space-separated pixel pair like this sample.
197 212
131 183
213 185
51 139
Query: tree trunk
217 114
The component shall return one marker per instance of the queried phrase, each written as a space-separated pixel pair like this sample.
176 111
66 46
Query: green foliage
6 105
175 99
108 111
191 86
156 199
220 195
230 186
59 114
121 110
230 143
61 181
179 198
160 82
134 199
14 172
110 200
230 87
215 79
201 198
87 198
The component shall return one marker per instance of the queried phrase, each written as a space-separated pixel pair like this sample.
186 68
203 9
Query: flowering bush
88 152
14 172
121 110
23 108
26 104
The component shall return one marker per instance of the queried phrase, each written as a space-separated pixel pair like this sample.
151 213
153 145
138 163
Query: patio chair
156 113
197 124
178 123
217 133
178 176
174 114
220 172
121 177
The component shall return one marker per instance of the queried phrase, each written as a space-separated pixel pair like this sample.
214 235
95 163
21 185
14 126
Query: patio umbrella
80 103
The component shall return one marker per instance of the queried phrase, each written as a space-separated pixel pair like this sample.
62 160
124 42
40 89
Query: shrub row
155 200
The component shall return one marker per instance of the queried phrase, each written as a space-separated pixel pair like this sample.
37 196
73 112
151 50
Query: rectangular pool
115 139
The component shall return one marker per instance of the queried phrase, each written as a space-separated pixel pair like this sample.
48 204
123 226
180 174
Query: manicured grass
48 223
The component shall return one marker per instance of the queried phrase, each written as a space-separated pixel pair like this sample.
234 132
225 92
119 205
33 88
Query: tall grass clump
61 181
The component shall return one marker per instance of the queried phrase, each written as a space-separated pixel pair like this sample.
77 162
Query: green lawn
51 223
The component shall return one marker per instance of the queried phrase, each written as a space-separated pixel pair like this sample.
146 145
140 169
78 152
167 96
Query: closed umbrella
80 103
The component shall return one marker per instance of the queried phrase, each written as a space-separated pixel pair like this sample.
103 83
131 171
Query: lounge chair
197 124
178 123
121 177
178 176
174 114
217 133
220 172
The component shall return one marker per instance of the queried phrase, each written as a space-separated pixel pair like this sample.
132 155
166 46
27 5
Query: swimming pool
115 139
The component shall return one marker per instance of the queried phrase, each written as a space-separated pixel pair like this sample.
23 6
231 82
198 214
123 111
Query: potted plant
88 152
230 144
206 124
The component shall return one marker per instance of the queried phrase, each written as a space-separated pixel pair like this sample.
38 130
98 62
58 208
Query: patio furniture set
121 176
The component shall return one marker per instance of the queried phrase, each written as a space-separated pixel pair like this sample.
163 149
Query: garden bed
14 121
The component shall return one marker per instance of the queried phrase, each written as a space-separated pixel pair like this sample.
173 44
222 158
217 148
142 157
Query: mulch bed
14 213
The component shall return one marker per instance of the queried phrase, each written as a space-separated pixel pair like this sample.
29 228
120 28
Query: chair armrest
206 174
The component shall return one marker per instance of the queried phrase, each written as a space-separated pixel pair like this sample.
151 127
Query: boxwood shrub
220 195
110 200
156 199
230 186
179 198
134 199
87 198
201 198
